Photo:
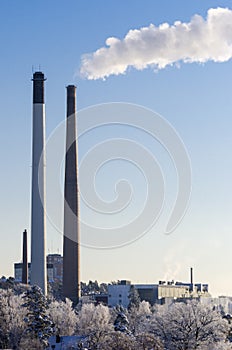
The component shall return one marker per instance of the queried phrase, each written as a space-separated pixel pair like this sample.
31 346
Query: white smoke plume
200 40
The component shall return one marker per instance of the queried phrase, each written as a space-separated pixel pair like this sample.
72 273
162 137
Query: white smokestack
38 230
197 41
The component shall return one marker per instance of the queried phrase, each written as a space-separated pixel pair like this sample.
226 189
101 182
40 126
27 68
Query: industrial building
56 260
18 272
163 292
54 269
118 294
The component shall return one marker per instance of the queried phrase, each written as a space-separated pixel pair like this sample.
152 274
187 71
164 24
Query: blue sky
194 98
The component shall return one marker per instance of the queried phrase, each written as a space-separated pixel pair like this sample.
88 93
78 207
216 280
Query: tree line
28 319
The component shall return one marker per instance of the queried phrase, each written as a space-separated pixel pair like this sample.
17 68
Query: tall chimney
38 224
191 278
71 242
25 260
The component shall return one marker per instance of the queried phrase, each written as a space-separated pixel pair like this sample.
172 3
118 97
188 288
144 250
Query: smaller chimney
191 278
191 275
25 262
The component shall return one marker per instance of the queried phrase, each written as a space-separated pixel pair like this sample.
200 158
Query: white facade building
118 294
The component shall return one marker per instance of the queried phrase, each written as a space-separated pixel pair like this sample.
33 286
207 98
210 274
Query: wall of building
148 292
118 294
170 291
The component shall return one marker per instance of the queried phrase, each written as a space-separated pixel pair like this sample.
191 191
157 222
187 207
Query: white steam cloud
200 40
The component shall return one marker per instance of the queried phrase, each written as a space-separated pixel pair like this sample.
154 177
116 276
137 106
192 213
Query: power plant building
163 292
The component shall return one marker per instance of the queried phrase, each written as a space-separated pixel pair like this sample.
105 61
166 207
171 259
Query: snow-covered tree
94 321
134 298
93 317
30 343
11 284
119 340
63 316
139 318
189 325
12 326
223 345
91 288
121 322
39 325
147 341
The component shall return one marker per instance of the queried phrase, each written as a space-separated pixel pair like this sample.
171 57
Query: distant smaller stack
25 259
191 278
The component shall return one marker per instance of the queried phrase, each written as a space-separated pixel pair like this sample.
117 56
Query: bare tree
147 341
119 340
139 318
12 314
63 316
189 325
94 321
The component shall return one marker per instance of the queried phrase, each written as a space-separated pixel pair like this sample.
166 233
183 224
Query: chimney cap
71 86
38 76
